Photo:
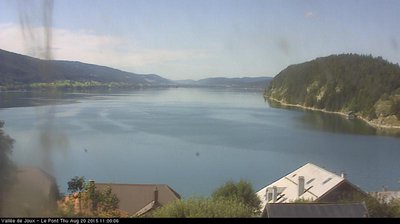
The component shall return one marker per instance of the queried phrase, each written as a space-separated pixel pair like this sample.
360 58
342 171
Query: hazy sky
193 39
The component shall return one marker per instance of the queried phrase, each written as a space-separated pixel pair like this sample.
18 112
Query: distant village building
311 183
351 115
34 193
386 196
315 210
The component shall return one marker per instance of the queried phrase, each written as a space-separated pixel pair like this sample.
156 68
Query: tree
92 202
395 108
76 184
6 166
102 201
105 202
241 191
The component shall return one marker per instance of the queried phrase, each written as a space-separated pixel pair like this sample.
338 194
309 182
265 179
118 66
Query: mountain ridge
21 70
237 82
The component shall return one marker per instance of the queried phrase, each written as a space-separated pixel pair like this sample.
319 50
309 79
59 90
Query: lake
192 139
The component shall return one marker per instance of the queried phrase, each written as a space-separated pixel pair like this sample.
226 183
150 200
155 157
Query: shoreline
373 124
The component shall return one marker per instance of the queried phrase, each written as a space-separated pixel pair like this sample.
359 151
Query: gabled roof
315 210
317 182
140 197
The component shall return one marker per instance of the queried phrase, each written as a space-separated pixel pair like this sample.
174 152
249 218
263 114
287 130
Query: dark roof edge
143 185
338 185
97 183
174 192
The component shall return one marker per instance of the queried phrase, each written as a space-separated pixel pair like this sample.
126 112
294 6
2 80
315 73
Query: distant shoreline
371 123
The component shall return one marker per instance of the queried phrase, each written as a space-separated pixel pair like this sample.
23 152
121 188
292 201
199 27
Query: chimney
301 185
343 175
267 194
91 186
271 193
156 196
274 194
91 196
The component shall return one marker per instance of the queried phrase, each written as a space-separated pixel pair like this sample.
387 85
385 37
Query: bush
204 208
241 191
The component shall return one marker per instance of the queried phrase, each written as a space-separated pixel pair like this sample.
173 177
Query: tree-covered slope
16 69
368 86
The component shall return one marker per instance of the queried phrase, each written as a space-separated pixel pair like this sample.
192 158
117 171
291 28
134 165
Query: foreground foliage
204 208
6 165
229 200
241 191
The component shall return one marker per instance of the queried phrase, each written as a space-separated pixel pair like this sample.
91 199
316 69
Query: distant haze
193 39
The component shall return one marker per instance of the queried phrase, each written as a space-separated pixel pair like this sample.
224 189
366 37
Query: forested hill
366 85
20 70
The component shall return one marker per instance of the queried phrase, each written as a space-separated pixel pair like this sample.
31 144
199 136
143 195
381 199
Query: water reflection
335 123
10 99
317 120
36 98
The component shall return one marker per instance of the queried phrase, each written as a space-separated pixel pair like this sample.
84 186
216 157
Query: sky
194 39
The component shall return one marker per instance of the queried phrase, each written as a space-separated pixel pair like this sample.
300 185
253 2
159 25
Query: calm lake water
191 139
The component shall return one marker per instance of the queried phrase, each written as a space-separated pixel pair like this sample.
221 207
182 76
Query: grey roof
315 210
138 197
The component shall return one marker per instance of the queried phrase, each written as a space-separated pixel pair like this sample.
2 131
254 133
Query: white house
309 182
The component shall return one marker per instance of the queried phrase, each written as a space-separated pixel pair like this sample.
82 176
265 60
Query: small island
362 86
